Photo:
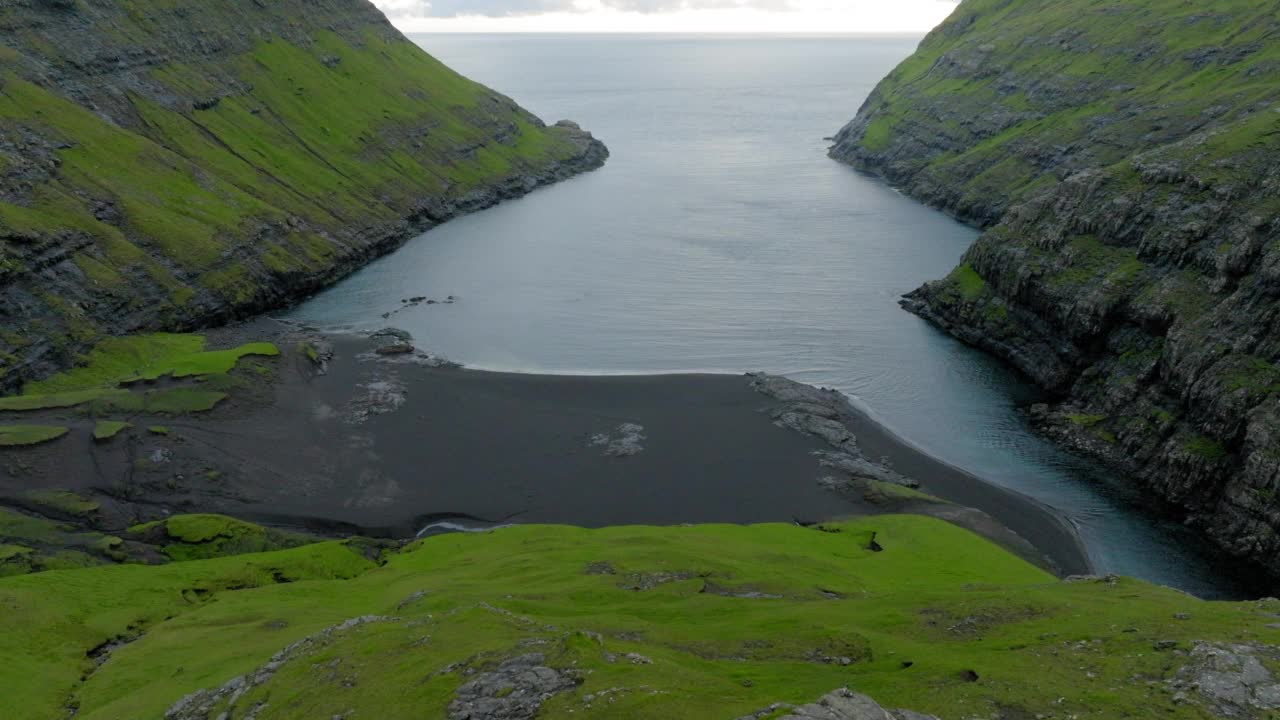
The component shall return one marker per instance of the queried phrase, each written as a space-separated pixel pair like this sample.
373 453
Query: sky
825 16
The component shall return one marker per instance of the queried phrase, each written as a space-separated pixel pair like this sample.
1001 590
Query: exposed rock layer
170 165
1122 159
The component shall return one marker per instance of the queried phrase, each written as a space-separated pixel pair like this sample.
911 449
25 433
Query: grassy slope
208 181
1037 644
1016 90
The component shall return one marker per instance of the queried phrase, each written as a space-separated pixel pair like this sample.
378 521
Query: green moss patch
1085 420
1251 374
102 380
1205 447
8 552
146 357
964 284
179 401
25 435
197 537
62 501
969 282
884 492
107 429
15 559
48 401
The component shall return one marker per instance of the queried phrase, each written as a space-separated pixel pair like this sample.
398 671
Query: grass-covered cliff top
164 164
1006 98
699 622
1123 156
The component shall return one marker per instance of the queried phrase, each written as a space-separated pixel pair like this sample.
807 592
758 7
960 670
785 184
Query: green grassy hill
697 622
167 164
1124 160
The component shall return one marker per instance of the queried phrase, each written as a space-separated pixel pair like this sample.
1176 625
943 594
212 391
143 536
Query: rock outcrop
1231 681
842 704
1122 158
171 165
515 690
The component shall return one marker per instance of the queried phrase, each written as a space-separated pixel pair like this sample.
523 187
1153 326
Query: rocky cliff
1124 161
170 164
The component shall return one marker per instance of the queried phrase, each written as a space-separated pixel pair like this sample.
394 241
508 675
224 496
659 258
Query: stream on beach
720 238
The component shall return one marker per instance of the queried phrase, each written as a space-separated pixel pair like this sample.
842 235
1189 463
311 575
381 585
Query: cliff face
1124 160
168 164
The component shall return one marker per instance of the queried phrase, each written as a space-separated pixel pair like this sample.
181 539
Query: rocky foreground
165 166
1122 159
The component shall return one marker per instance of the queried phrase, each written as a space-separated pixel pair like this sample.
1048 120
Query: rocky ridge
1121 158
165 166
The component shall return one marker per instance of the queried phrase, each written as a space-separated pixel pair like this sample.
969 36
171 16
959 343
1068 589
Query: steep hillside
1124 159
686 622
166 164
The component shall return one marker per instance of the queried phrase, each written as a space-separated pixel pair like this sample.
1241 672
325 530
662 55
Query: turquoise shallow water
719 237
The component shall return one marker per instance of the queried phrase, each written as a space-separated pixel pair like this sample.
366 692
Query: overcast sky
667 15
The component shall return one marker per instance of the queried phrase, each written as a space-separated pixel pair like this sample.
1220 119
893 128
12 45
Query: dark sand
389 446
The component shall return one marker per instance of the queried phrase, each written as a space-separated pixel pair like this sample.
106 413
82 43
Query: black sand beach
392 444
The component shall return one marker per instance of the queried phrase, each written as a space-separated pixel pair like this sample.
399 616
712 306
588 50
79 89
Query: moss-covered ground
723 620
111 385
133 358
106 429
35 543
198 537
62 502
23 435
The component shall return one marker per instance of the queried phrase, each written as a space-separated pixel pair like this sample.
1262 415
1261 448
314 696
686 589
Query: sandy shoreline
389 444
1031 519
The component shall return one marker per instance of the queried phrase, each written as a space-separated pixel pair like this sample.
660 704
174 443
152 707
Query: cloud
655 6
397 9
666 15
402 9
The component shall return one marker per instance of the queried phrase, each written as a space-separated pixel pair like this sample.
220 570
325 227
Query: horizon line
598 31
